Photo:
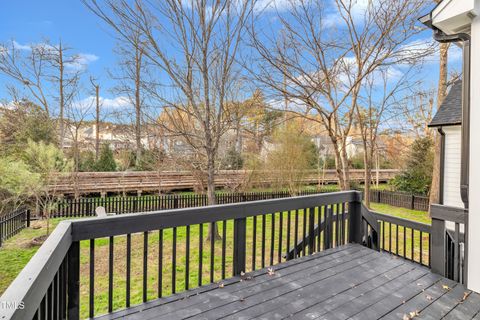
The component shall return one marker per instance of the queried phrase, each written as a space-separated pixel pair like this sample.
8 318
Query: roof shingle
450 112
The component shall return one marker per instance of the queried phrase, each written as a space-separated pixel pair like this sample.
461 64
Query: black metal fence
85 207
11 223
400 199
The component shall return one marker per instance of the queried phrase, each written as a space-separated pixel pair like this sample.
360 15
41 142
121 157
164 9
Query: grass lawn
18 250
415 215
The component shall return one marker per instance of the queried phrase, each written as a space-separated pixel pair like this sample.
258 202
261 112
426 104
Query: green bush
106 161
233 160
417 175
356 162
24 122
87 161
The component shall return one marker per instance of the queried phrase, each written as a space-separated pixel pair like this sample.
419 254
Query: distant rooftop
450 112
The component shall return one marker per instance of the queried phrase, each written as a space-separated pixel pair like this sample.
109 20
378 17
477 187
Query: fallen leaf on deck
465 295
271 272
445 287
414 313
429 297
221 285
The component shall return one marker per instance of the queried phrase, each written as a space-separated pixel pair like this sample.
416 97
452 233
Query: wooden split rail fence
150 181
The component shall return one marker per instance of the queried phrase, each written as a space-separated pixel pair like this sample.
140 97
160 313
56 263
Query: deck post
74 281
438 246
355 219
239 245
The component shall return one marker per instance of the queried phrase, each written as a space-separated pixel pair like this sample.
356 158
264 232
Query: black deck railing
449 246
96 266
404 238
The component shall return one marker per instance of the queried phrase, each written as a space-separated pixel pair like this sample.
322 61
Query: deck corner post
73 290
239 245
438 246
355 219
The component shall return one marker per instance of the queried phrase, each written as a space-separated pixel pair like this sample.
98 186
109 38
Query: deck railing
96 266
449 244
404 238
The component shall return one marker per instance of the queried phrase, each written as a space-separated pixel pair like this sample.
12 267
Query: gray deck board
465 309
349 282
422 300
444 305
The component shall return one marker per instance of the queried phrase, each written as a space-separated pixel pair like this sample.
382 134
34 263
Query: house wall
452 165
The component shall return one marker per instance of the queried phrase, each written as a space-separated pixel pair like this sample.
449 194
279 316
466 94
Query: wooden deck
349 282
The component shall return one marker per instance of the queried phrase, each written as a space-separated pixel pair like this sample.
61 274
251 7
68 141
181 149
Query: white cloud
18 46
81 61
115 103
78 61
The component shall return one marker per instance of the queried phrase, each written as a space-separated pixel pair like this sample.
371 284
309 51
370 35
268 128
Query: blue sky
32 21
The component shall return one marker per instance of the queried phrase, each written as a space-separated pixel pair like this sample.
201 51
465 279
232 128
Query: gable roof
450 111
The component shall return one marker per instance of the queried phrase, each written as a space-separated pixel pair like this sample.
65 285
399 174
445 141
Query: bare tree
132 77
76 115
65 80
203 40
379 96
28 65
325 66
193 45
42 69
416 111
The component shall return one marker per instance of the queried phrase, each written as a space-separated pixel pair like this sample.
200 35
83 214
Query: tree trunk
61 96
345 168
367 175
97 122
442 91
338 169
212 199
138 114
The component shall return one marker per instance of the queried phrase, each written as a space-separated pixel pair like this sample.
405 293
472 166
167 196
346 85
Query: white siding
451 187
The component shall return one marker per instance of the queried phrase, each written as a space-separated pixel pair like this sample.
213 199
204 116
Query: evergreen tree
417 175
106 161
233 160
87 161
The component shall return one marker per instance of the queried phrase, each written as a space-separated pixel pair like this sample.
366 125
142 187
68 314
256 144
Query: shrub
233 160
106 161
417 175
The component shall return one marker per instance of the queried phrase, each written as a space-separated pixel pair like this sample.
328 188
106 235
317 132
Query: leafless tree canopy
320 58
193 44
